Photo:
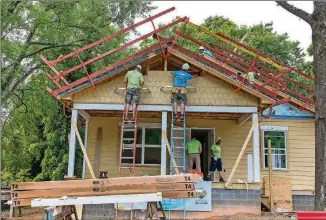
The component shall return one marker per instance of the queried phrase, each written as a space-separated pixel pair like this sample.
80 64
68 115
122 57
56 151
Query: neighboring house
214 108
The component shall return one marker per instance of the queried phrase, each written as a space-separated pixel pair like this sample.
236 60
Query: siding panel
224 95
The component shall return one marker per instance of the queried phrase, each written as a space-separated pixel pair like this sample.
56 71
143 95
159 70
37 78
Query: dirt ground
28 214
36 213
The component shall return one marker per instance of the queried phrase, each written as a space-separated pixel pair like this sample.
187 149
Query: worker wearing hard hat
133 82
202 51
179 91
216 161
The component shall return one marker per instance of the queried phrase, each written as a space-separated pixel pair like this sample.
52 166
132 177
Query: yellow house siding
300 148
210 91
300 152
111 145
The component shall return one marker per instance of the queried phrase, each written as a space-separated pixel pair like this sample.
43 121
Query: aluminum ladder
178 151
128 145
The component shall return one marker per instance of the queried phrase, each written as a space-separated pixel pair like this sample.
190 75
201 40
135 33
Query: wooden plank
165 64
97 156
241 153
281 193
169 149
167 194
150 197
179 194
270 168
71 184
244 118
103 190
83 148
21 202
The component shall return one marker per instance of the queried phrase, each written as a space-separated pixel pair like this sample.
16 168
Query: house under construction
277 106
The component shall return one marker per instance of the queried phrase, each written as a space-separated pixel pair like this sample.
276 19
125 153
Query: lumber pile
171 186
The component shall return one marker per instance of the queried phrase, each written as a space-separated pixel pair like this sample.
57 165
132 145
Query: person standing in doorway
133 82
216 160
194 149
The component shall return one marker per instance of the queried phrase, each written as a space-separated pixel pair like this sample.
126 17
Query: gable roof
225 64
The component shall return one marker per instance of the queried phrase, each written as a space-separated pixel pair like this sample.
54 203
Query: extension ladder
178 146
178 150
128 144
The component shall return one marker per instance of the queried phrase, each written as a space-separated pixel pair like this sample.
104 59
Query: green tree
317 22
35 130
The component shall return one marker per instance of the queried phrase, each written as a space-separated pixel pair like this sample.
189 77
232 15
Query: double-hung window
148 144
277 135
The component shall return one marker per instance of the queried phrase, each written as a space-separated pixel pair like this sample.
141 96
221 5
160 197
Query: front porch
231 123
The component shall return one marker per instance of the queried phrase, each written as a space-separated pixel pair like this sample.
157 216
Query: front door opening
205 136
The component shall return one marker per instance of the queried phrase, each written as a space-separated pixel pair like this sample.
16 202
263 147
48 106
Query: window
277 135
148 151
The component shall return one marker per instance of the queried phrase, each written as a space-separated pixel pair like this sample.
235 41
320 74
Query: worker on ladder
133 82
179 91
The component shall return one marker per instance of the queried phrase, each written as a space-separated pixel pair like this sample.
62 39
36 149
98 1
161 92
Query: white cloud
242 13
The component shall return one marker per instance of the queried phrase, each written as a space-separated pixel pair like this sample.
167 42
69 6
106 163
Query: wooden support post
169 149
163 144
72 144
83 148
165 64
270 167
244 118
147 69
241 153
97 155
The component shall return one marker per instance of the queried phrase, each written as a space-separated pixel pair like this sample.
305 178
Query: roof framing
271 87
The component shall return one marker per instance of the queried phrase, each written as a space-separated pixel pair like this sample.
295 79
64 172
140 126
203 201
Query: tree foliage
317 22
35 130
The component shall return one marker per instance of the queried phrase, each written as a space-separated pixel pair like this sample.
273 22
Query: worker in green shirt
133 81
193 149
216 161
251 77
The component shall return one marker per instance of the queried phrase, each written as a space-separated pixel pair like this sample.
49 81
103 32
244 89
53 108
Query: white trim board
217 109
151 197
274 128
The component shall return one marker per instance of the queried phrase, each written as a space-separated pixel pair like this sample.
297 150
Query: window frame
143 146
277 129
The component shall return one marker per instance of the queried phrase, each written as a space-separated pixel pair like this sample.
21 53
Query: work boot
176 116
222 180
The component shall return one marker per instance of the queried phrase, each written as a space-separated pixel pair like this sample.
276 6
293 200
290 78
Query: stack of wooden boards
171 186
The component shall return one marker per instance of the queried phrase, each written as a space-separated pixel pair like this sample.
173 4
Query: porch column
163 146
250 173
85 144
255 149
72 144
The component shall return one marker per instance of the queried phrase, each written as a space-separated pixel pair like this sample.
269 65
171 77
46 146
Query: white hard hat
201 48
138 66
185 66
